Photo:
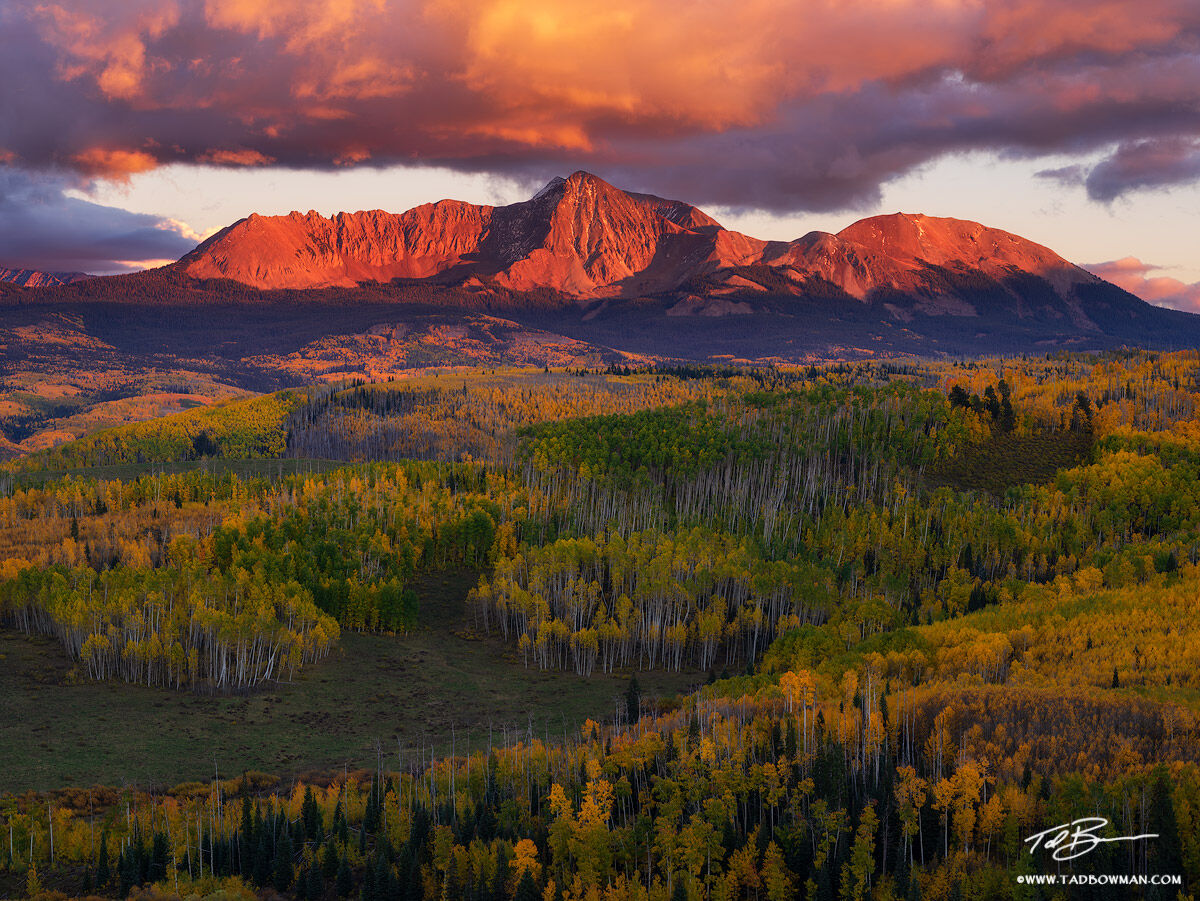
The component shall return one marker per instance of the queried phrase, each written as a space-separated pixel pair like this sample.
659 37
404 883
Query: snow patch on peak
551 186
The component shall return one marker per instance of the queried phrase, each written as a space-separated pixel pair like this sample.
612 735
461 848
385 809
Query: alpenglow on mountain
585 239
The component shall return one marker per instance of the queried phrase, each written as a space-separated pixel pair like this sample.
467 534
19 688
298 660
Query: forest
935 608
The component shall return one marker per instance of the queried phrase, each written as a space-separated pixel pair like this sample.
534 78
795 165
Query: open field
375 692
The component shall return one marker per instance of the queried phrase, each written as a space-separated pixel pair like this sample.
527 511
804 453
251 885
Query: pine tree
368 891
500 877
310 813
527 889
330 861
127 873
1162 821
316 885
283 872
102 871
345 881
246 838
159 855
633 701
451 890
263 859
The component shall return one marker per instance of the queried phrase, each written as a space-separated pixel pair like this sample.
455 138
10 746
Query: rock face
310 251
579 236
582 238
32 278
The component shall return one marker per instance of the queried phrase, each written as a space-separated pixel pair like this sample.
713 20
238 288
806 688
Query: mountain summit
579 236
582 238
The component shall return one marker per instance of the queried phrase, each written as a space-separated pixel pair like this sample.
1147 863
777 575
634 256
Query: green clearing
375 693
271 467
1005 461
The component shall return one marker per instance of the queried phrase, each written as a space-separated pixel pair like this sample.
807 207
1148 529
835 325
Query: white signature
1077 838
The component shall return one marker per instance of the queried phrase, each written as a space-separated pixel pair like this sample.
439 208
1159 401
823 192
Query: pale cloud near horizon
1141 279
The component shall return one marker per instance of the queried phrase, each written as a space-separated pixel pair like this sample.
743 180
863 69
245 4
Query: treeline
692 598
461 417
817 494
356 537
816 491
178 626
762 463
218 583
243 429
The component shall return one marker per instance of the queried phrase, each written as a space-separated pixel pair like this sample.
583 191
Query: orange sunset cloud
818 103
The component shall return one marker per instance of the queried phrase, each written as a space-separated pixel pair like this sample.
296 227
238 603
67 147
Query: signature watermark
1080 837
1098 879
1077 838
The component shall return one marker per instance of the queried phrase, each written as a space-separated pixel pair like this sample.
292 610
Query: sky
131 129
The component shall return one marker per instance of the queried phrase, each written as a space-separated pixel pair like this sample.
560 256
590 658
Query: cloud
1152 163
42 227
117 164
242 157
727 101
1134 276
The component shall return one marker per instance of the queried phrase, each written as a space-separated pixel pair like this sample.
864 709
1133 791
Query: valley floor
437 684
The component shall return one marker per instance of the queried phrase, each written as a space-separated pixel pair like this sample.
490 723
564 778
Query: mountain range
582 264
33 278
581 274
585 239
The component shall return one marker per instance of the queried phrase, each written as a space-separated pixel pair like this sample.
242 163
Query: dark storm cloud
43 228
723 102
1136 165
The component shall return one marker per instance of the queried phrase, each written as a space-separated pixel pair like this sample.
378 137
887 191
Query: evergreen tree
527 889
263 859
345 881
102 871
159 856
126 873
386 887
451 889
633 701
1167 853
310 814
373 816
246 839
330 861
283 872
500 877
315 888
367 892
